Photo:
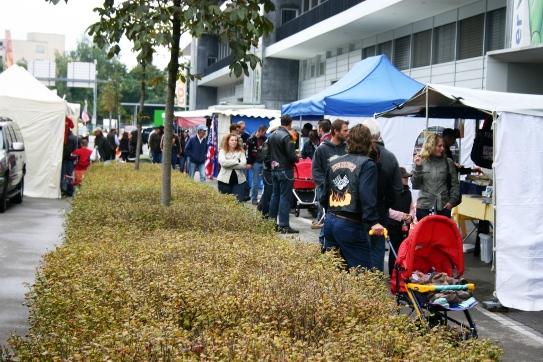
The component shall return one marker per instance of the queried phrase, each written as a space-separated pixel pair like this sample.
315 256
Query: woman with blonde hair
233 162
435 176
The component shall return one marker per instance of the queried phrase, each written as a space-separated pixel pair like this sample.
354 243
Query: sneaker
288 230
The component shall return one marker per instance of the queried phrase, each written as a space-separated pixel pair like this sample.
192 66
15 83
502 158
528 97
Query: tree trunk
139 116
173 68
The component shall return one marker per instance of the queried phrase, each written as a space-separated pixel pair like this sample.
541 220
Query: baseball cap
201 127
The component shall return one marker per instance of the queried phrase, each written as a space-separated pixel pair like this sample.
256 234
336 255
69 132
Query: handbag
95 155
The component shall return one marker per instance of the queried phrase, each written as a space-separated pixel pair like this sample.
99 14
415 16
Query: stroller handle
385 232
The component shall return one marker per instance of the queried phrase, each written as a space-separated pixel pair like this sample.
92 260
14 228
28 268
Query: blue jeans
377 244
264 204
350 238
282 185
236 189
174 160
156 157
181 160
201 170
255 181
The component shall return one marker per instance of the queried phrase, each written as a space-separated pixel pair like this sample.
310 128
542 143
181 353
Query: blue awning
372 85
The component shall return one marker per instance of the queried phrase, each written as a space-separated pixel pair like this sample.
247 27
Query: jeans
67 180
281 199
201 169
421 213
257 176
236 189
156 157
350 238
174 160
377 246
264 203
181 160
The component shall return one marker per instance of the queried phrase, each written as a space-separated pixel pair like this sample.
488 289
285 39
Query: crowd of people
360 186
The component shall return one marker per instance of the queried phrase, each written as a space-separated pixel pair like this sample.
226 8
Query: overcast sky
28 16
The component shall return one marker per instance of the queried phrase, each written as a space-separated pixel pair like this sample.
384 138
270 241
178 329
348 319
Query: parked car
12 163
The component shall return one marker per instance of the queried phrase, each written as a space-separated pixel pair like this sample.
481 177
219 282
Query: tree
108 99
151 23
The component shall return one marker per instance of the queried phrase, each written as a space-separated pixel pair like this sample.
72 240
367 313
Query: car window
9 136
18 135
2 138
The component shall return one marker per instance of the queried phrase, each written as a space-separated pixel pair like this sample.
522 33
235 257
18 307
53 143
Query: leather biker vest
343 182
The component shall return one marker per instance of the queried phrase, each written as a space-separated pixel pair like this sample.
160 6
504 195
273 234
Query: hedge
207 279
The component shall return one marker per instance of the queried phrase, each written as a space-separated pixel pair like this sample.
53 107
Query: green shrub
207 279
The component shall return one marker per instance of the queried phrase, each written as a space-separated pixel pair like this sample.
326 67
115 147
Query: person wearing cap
401 215
196 151
449 138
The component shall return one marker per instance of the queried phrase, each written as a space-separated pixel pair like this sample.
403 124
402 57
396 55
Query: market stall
40 114
518 185
372 85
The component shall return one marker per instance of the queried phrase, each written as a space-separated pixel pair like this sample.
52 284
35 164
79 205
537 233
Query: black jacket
254 149
351 188
390 182
326 152
282 150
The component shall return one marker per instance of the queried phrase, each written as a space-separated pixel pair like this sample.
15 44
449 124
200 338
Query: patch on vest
339 199
340 182
344 164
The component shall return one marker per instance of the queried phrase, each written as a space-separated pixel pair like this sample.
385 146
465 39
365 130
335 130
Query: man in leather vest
351 200
283 156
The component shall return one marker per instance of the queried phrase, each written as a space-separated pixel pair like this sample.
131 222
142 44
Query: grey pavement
28 231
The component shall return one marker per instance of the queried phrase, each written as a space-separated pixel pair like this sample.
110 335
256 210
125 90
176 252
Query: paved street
28 231
31 229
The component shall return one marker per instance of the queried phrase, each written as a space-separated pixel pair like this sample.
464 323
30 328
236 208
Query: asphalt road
29 230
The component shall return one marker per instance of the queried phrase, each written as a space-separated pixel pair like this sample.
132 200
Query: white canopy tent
518 182
40 115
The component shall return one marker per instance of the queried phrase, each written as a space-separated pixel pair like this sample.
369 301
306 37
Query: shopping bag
95 155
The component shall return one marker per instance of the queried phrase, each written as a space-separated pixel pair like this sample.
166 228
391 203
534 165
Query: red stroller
435 245
304 188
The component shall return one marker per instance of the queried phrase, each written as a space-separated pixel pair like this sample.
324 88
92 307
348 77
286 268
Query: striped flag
212 161
8 49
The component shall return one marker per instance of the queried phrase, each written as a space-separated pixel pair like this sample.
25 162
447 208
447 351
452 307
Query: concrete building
466 43
38 46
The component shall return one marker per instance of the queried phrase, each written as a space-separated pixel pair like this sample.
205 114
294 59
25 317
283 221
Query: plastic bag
95 155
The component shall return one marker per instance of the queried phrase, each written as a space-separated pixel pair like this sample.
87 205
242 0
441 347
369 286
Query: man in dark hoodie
326 152
389 188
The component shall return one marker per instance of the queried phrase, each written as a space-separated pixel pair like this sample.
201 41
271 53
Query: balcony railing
314 16
224 62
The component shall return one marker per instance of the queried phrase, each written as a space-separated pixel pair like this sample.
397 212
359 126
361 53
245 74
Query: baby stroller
434 249
304 188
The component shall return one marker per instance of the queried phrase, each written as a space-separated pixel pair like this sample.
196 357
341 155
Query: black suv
12 163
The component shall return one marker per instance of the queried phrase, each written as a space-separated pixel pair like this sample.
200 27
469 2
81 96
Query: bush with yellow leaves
207 279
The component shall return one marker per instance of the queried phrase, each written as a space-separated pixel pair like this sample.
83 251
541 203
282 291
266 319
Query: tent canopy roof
242 112
17 82
454 102
371 86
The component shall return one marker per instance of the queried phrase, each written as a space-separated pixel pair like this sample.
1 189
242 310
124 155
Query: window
40 49
322 68
313 70
287 14
304 69
495 29
385 49
470 37
314 3
401 52
328 54
444 43
368 52
306 5
211 60
421 49
339 51
352 47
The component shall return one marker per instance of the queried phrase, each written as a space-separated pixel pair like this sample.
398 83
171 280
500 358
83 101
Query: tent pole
494 128
426 108
300 120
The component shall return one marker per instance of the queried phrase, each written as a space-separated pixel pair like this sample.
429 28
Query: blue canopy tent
372 85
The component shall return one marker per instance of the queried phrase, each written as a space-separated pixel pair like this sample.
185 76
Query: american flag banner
212 161
84 114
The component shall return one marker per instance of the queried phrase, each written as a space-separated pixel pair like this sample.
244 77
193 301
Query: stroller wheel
314 212
297 212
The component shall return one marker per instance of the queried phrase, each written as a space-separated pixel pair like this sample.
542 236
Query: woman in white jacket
233 163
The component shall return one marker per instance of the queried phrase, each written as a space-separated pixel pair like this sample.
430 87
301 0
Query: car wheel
18 199
4 198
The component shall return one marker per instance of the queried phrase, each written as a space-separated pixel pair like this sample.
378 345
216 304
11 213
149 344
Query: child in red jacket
82 163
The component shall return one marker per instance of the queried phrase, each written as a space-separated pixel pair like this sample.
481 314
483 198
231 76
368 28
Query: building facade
465 43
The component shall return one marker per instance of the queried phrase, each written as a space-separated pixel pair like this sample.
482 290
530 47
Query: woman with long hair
124 146
231 178
435 176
